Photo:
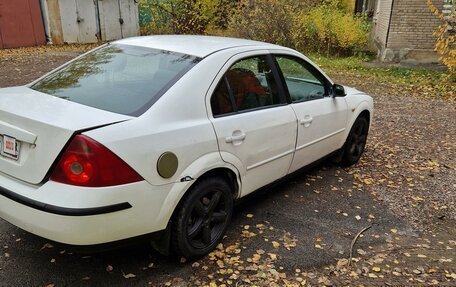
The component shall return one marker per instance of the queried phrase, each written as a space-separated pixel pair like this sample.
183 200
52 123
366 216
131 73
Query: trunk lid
39 126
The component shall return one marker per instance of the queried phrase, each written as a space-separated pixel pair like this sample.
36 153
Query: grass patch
426 82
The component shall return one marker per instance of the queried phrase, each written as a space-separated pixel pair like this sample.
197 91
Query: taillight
86 162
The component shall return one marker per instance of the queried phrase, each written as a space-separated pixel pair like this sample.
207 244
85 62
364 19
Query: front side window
301 81
118 78
248 84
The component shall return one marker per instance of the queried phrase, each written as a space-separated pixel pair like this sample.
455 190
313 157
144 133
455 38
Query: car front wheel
356 142
202 218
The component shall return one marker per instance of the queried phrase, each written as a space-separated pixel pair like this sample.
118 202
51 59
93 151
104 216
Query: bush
310 25
264 20
184 16
337 32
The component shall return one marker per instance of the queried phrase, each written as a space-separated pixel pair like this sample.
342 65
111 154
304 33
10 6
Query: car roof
200 46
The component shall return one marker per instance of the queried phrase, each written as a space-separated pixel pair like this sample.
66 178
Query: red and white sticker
9 146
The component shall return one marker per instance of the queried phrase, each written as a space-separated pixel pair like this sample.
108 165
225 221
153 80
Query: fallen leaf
128 276
342 262
376 269
372 275
47 245
249 215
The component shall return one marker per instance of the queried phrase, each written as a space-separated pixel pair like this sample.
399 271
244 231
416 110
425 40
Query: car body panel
321 126
186 44
43 124
271 159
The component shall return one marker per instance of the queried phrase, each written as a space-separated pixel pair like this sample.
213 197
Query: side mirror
338 90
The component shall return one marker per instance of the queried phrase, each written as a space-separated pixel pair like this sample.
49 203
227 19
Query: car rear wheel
356 142
203 216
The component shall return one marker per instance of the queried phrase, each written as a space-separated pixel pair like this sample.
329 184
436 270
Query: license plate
9 147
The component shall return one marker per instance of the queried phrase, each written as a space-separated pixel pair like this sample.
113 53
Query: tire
202 217
356 142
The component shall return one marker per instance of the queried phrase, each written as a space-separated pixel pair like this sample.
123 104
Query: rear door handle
236 138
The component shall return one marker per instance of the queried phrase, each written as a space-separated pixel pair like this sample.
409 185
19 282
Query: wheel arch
176 197
208 166
363 109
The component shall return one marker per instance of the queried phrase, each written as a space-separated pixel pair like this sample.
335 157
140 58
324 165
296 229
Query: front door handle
306 121
236 138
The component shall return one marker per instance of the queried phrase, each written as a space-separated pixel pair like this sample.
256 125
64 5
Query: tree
446 34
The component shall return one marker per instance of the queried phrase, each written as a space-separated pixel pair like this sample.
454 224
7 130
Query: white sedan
159 135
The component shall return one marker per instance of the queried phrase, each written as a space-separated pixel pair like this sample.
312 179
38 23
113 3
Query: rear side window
118 78
249 84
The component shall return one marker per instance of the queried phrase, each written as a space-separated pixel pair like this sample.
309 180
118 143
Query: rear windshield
118 78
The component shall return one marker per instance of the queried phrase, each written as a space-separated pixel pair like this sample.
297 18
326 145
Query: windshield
118 78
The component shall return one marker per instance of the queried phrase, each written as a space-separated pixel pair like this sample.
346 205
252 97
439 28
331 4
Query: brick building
402 30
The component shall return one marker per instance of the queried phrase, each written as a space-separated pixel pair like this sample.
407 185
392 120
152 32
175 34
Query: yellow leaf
249 215
393 230
275 244
368 181
376 269
342 262
372 275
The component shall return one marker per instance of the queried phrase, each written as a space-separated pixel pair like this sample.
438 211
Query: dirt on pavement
297 233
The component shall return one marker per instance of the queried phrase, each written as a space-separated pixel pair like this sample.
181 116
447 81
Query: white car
159 135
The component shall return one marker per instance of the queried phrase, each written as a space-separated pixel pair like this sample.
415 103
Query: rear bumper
63 210
83 216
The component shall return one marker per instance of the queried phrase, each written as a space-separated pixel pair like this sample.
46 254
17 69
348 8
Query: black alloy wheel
356 142
202 218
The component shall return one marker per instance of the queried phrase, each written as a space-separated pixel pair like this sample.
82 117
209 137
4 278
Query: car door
255 127
321 117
